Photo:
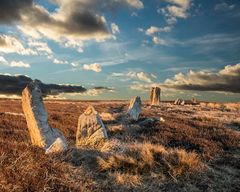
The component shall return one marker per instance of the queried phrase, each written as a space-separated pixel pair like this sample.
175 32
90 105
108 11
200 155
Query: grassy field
195 149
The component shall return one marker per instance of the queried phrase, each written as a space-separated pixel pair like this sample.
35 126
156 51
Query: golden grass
148 158
180 154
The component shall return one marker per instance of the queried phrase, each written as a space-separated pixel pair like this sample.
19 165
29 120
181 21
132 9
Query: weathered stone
179 102
161 119
135 108
107 117
176 102
147 121
58 145
91 129
155 95
183 102
42 135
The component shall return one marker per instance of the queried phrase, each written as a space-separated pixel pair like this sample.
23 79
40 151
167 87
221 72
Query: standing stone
91 129
179 102
155 95
42 135
135 108
183 102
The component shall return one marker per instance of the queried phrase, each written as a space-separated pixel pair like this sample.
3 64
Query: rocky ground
196 148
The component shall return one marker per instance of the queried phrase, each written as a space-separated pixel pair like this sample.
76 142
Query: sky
117 49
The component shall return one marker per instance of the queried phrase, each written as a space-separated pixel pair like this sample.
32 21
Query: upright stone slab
179 102
135 108
155 95
42 135
91 129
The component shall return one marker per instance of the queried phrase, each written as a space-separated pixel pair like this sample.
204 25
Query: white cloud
137 86
57 61
153 76
3 61
78 45
9 44
135 3
182 3
159 41
19 64
176 9
142 76
40 46
152 30
115 28
93 67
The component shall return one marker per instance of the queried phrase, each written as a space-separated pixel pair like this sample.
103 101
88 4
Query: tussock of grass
145 159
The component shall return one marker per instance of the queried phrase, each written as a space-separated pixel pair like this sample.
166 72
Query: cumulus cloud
72 21
14 84
152 30
19 64
142 76
93 67
3 61
9 44
98 91
140 87
226 80
159 41
41 47
115 28
57 61
175 10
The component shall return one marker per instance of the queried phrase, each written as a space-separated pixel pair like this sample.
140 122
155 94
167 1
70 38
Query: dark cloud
10 10
75 20
3 42
225 80
72 19
103 88
14 85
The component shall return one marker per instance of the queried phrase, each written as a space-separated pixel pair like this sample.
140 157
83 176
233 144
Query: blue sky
190 48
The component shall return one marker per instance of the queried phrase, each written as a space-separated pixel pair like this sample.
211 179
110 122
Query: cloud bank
15 84
225 80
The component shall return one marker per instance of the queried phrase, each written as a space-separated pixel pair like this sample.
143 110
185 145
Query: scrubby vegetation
190 151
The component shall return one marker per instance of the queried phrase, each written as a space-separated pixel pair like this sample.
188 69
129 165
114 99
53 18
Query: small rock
162 119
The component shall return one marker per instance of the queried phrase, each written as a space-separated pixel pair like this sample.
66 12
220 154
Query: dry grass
181 154
146 159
